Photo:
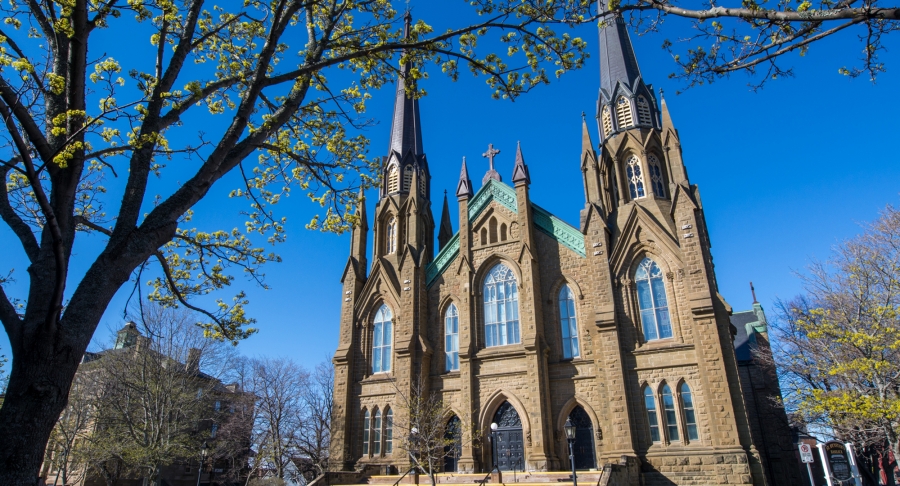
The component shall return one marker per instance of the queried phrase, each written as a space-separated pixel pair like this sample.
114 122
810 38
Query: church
522 320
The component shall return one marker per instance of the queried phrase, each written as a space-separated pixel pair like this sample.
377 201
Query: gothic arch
566 279
486 415
488 264
567 409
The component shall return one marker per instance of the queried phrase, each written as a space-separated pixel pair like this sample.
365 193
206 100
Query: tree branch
863 13
19 227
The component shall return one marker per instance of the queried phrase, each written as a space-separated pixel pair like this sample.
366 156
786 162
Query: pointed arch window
366 433
624 117
388 432
643 111
501 307
393 179
606 119
451 338
381 341
652 421
656 177
687 408
376 433
668 402
568 323
407 177
635 177
391 235
652 301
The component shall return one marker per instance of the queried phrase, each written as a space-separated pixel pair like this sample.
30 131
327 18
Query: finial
582 116
753 291
661 93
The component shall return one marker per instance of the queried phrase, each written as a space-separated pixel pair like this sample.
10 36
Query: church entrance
510 449
453 447
584 439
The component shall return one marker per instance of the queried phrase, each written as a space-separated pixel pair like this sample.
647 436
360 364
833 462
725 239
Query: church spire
520 170
617 60
446 230
464 188
406 129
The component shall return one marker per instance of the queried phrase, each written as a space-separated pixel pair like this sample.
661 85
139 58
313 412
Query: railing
515 467
404 475
484 479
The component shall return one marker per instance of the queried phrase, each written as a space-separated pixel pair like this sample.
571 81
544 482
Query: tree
288 118
756 36
426 432
278 385
838 345
65 452
314 438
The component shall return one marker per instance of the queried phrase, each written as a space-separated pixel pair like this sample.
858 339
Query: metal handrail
411 469
483 480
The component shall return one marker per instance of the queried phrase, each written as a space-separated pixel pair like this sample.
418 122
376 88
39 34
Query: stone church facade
523 320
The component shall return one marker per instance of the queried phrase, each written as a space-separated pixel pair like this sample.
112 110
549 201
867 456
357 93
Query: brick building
523 320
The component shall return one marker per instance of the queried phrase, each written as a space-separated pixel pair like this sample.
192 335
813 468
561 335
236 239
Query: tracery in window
652 422
393 179
656 177
388 432
391 236
568 323
687 408
623 113
670 415
652 301
635 177
376 433
501 307
643 111
606 118
381 341
366 433
451 338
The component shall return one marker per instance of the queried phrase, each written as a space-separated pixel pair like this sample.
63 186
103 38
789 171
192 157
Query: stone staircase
585 478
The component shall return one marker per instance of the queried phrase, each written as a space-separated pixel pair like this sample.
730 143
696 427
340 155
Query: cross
491 152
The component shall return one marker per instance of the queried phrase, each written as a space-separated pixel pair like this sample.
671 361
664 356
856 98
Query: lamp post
493 446
204 449
413 450
570 437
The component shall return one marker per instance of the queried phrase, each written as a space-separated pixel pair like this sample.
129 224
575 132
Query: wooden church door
510 448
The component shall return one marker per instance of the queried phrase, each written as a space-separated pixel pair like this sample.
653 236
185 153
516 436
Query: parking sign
806 455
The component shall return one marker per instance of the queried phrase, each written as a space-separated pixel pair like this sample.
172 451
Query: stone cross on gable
491 152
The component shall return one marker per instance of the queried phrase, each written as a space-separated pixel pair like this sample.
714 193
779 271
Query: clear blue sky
784 174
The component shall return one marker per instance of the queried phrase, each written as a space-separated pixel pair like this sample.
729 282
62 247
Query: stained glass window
381 341
389 432
670 415
501 307
635 177
652 422
651 293
366 433
687 406
656 177
376 433
568 323
391 236
451 338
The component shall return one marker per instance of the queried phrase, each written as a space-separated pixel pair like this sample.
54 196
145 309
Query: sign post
806 457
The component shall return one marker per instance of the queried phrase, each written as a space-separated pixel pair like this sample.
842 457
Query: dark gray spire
446 230
406 129
520 170
464 188
617 59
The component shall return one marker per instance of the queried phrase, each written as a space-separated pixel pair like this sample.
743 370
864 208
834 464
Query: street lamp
493 446
570 437
204 449
413 450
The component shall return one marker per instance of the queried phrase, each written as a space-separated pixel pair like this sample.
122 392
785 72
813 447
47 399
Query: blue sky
784 174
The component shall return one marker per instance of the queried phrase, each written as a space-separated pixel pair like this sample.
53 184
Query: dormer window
624 116
393 179
643 111
635 177
407 177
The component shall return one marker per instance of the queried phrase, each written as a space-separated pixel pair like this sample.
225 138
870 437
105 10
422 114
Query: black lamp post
570 437
493 446
204 449
413 449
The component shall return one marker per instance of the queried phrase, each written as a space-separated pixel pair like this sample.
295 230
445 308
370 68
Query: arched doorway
453 447
510 450
584 439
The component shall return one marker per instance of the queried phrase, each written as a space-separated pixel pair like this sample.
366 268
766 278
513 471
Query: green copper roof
554 227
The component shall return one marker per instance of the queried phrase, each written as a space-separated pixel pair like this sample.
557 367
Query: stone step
586 478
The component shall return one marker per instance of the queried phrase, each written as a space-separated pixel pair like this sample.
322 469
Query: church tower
660 257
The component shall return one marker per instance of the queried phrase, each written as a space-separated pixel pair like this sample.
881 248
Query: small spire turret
520 170
464 188
446 230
